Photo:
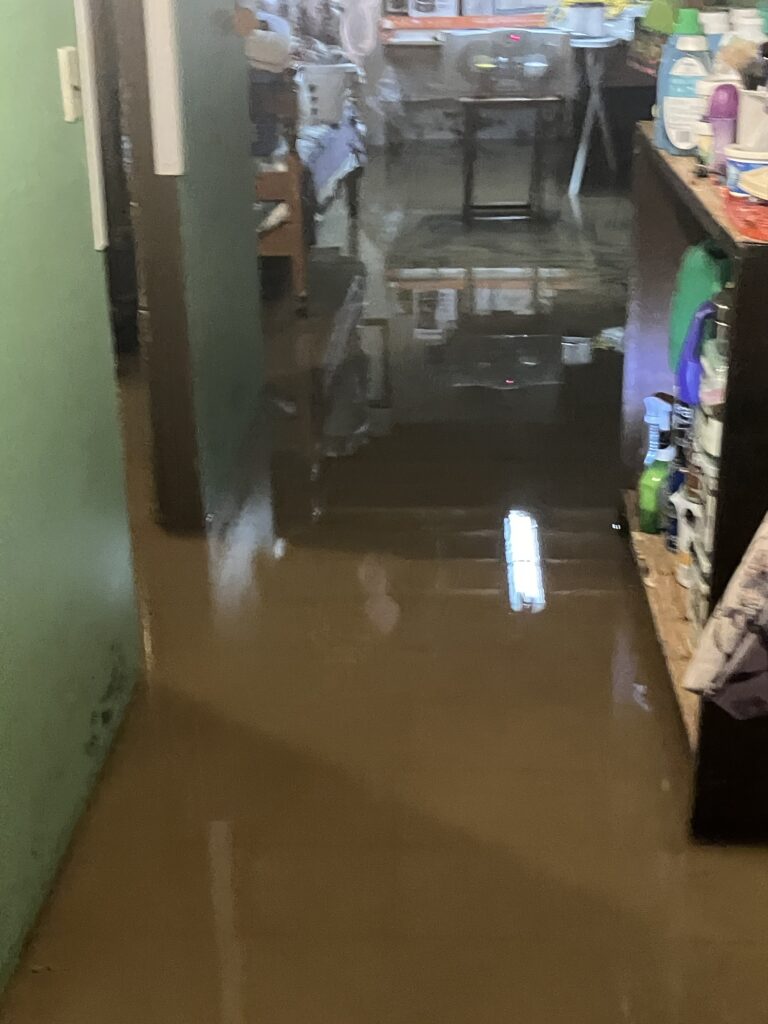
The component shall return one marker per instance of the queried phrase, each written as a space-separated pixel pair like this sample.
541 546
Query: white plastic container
705 144
689 513
745 19
715 24
748 25
323 89
738 161
586 19
708 431
752 125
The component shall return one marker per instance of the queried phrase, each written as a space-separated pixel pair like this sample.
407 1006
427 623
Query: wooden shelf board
703 197
667 601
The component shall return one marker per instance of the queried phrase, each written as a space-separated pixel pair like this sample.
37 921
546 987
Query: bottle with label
685 62
658 410
653 479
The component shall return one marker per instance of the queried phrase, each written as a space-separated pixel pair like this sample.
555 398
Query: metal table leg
595 112
595 72
534 190
470 157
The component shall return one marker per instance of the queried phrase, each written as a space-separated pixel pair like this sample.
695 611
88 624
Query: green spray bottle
654 476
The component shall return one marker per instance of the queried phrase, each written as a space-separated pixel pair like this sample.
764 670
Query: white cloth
730 665
360 28
269 49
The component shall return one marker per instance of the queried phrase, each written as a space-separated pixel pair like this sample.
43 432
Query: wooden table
472 107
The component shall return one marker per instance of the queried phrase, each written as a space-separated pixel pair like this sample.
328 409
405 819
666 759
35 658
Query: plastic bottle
667 53
723 116
685 62
688 515
715 25
674 482
657 410
688 378
654 477
741 44
747 24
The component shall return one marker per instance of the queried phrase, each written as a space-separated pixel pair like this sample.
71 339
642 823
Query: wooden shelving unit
674 210
667 601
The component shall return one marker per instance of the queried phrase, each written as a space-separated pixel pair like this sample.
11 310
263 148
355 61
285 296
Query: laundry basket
323 91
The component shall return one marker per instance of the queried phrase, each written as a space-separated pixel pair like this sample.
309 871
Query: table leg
595 112
534 192
470 156
595 70
580 162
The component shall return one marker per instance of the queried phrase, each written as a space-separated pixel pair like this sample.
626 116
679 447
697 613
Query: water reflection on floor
410 756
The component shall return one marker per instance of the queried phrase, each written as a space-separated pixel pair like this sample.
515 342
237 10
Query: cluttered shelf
666 599
703 197
694 427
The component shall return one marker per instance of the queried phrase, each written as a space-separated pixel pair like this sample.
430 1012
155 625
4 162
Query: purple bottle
689 367
723 112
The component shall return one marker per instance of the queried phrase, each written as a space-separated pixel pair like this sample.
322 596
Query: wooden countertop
703 198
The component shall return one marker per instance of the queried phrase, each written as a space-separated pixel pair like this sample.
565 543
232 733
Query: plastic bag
730 665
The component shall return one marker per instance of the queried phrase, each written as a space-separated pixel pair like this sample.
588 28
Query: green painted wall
220 251
68 631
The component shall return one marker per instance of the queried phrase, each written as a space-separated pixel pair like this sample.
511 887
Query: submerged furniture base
472 107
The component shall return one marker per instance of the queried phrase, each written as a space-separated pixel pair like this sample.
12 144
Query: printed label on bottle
682 107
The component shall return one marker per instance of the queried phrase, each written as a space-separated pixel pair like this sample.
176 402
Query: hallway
357 785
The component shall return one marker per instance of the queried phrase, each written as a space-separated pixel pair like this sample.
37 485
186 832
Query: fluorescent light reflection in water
522 550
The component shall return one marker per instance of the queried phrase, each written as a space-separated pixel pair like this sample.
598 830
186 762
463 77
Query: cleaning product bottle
685 62
662 75
704 271
674 483
688 515
655 416
688 379
654 477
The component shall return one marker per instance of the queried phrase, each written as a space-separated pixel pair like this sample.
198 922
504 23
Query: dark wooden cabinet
673 210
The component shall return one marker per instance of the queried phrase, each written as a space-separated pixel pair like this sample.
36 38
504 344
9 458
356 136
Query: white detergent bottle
684 65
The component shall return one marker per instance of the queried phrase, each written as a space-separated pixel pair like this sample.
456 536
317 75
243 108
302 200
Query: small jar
705 144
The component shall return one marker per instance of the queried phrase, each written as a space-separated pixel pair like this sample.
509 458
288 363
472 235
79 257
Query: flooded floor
406 751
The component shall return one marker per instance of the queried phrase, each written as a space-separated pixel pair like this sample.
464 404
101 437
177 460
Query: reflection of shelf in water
667 601
522 291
